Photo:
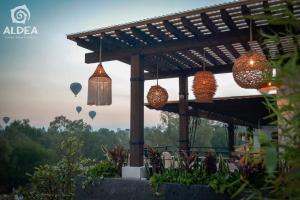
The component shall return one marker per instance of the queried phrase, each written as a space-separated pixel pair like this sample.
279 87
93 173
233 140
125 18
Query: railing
201 151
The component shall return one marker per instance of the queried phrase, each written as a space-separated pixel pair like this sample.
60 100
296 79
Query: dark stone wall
135 189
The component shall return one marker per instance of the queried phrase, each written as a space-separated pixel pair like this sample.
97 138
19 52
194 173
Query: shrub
103 169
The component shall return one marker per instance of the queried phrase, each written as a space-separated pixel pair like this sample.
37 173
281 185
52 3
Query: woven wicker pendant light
251 69
99 86
157 96
204 85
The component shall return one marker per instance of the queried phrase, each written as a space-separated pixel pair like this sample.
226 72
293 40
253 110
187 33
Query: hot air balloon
78 109
92 114
75 88
6 119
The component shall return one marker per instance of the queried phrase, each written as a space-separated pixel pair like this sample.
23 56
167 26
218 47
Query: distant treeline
23 147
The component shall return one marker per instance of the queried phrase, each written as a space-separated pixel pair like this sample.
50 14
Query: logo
20 14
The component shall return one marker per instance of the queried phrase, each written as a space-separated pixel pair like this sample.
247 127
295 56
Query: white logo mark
20 14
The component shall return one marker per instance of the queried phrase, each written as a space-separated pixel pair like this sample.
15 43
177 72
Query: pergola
230 110
176 44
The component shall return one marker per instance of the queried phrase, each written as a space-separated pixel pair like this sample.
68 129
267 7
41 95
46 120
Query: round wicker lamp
157 96
204 86
251 69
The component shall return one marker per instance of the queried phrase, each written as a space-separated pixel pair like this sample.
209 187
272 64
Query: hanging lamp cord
100 52
203 59
251 36
157 74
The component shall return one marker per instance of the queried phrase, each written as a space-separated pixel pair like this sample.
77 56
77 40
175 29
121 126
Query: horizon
36 72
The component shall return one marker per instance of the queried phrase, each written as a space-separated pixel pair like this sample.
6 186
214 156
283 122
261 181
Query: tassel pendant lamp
99 85
204 85
157 96
251 69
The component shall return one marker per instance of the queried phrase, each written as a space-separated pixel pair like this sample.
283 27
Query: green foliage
117 156
24 147
58 181
187 162
281 159
222 181
103 169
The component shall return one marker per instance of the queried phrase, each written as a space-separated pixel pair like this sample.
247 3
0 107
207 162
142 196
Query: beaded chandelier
99 86
157 96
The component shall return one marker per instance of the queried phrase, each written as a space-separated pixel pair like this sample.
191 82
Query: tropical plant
187 162
221 181
104 168
155 160
117 156
280 159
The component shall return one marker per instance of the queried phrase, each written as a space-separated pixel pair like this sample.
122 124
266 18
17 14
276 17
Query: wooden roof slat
228 20
193 57
142 35
172 62
221 55
173 45
209 24
185 59
112 41
189 72
190 27
87 45
158 33
159 19
232 50
94 39
130 40
174 30
162 62
246 12
209 57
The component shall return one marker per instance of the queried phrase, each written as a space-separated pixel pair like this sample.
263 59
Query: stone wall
135 189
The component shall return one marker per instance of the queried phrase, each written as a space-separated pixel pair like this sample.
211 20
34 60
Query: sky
36 71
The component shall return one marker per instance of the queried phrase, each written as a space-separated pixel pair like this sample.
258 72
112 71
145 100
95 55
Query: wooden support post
230 130
137 112
183 117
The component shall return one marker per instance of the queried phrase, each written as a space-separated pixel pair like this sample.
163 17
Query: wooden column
230 130
183 117
137 112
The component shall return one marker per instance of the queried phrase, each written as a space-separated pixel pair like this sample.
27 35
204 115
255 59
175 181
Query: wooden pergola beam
142 35
183 114
189 72
137 112
168 17
172 29
190 27
209 24
172 45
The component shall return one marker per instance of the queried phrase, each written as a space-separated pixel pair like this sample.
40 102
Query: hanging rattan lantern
204 86
251 69
99 86
157 96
